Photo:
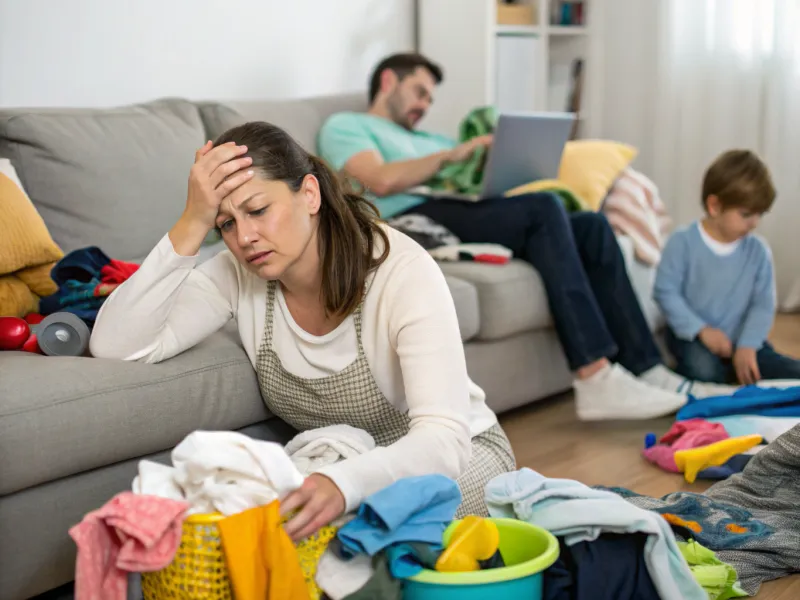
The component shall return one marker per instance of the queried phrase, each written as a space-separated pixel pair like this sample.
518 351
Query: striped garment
634 208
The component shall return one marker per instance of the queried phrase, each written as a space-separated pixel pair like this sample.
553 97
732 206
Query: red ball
14 332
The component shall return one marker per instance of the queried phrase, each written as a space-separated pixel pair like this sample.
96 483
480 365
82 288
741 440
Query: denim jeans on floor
595 310
695 361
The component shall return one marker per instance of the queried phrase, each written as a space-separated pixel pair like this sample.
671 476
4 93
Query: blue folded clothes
750 400
80 290
577 513
414 509
735 464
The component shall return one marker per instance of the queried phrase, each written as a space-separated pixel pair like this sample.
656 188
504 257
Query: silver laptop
527 147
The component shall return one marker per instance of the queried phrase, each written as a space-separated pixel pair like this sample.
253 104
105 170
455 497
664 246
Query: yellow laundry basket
199 571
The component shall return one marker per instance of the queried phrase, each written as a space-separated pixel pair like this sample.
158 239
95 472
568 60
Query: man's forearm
396 177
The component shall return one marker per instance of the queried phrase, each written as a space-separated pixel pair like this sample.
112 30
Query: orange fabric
734 528
676 520
262 560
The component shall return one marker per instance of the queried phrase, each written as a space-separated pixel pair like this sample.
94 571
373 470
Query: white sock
664 378
614 393
600 375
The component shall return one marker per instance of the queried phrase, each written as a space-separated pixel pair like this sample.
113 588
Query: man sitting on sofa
594 307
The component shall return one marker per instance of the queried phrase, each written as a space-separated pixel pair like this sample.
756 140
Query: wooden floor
547 437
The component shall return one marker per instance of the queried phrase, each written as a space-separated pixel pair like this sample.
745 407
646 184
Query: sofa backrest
112 178
302 119
116 178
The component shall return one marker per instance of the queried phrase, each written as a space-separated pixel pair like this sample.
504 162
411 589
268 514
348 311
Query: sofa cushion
302 119
65 415
465 297
511 297
113 178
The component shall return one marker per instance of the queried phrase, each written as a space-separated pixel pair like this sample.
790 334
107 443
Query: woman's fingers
233 182
293 501
309 520
202 151
220 155
222 172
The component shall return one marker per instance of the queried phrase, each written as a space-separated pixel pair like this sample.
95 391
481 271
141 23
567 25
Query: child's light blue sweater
696 288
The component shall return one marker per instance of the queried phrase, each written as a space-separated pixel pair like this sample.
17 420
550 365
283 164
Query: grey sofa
73 429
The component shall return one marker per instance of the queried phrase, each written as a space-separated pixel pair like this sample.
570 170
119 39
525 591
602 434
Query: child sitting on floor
715 284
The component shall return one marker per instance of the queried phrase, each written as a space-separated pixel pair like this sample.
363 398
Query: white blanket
317 448
221 471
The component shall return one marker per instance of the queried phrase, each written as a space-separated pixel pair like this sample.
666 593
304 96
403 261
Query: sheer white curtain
684 80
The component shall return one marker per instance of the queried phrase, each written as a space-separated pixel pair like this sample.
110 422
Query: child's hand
716 341
746 365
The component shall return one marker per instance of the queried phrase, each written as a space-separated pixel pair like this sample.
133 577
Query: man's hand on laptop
463 151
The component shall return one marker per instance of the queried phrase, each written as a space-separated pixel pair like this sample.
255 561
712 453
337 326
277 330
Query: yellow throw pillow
590 167
16 298
24 239
38 279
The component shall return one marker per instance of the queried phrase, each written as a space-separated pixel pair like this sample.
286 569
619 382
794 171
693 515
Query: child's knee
700 364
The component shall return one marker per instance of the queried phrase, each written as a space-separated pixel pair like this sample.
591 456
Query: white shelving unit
514 67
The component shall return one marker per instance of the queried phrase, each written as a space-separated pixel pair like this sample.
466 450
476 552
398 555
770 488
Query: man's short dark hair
402 65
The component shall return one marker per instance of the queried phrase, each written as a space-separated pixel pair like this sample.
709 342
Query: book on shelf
567 13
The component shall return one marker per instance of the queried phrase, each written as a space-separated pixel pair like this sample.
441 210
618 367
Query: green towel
466 177
571 202
718 579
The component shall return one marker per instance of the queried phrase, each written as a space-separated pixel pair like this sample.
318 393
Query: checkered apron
352 397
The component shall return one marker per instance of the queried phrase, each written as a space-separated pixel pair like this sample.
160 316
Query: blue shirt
414 509
346 134
696 288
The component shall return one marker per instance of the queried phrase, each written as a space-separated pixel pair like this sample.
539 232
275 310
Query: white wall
111 52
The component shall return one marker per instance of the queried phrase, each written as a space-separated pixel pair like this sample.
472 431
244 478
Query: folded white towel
317 448
221 471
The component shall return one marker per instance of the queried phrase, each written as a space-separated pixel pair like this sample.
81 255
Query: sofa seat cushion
465 297
511 297
108 177
65 415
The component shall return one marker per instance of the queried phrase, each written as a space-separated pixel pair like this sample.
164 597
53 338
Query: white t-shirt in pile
410 336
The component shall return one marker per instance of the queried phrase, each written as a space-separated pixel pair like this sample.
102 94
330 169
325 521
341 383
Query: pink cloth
130 533
692 433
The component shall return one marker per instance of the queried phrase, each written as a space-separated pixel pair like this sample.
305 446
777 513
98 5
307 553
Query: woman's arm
166 307
424 329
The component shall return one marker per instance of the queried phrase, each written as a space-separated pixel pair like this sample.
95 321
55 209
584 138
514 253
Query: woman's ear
311 195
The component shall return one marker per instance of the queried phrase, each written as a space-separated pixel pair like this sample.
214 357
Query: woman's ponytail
349 226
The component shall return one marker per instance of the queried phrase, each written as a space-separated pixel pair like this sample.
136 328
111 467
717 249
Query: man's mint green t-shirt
346 134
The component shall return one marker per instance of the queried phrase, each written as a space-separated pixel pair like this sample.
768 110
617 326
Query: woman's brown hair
349 225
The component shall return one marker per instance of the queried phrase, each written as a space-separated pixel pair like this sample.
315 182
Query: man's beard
396 113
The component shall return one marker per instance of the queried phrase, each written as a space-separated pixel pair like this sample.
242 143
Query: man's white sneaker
615 394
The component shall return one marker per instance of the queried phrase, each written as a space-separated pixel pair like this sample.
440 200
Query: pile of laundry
701 449
716 437
749 520
85 278
393 534
443 245
615 544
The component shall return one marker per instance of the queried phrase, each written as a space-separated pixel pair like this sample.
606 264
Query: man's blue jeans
595 310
